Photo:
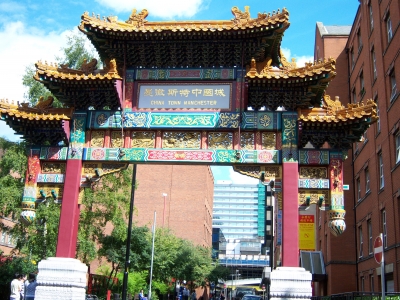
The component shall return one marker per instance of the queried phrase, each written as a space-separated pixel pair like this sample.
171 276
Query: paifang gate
191 92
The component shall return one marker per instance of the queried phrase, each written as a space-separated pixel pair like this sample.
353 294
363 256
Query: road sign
346 187
378 249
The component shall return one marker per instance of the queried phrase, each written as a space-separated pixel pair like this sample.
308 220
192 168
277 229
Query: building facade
370 58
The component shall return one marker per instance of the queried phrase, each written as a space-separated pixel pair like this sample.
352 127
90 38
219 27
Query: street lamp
165 201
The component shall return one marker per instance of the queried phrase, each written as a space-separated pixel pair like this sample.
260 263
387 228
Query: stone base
62 279
290 283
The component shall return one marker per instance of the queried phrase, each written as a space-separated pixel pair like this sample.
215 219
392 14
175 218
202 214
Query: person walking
16 287
30 288
22 292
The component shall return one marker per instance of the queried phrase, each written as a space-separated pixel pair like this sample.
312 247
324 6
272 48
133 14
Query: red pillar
69 218
290 217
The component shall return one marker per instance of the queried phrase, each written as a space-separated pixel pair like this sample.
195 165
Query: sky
33 30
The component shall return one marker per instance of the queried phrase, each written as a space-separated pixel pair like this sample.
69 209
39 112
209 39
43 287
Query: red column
69 218
290 217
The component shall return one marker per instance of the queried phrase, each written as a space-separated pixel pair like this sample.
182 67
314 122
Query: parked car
251 297
241 291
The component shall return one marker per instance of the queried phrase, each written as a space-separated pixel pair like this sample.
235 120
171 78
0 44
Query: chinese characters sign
306 232
185 96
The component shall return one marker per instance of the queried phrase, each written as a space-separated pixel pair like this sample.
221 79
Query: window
378 122
353 96
371 19
9 241
370 243
3 237
366 180
361 241
373 58
393 85
384 229
372 283
362 85
363 284
389 28
358 189
381 177
352 58
359 40
397 147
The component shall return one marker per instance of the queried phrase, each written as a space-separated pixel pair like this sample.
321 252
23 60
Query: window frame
371 18
378 122
374 70
389 28
361 242
381 171
358 189
384 228
393 85
367 180
397 143
370 242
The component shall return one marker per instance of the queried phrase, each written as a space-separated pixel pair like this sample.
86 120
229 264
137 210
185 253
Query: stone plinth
290 283
62 279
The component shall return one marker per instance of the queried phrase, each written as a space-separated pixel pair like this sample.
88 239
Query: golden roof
38 112
87 71
334 111
290 69
137 22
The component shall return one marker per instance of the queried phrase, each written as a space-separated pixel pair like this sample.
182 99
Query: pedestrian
16 287
185 293
30 288
222 296
141 295
193 296
22 292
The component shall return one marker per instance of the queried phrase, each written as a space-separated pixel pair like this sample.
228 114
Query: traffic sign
378 249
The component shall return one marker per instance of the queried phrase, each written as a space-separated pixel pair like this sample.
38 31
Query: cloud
162 9
227 173
300 60
23 46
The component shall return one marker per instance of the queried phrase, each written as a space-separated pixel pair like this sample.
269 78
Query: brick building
368 67
181 195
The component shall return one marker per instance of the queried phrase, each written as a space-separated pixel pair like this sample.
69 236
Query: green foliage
9 267
136 282
107 202
77 50
34 88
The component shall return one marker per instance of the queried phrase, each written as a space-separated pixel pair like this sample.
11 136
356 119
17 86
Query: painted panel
185 74
184 96
314 183
262 120
53 153
313 157
182 120
51 178
170 155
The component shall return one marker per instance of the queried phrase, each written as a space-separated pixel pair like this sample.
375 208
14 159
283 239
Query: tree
76 51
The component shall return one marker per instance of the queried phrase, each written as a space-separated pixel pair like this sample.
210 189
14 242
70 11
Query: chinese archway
193 92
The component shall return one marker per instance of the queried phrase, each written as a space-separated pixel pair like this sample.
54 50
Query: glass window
362 86
352 58
397 147
361 241
354 96
384 229
373 58
367 180
381 176
393 85
371 19
372 283
389 28
378 122
370 242
3 237
362 284
358 189
10 241
359 40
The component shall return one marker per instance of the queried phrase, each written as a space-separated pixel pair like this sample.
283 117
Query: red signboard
378 249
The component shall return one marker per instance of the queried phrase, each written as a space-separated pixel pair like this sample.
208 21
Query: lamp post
165 201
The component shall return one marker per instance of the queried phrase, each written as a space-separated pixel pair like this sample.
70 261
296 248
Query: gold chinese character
159 92
208 92
219 92
185 92
148 92
172 92
196 92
